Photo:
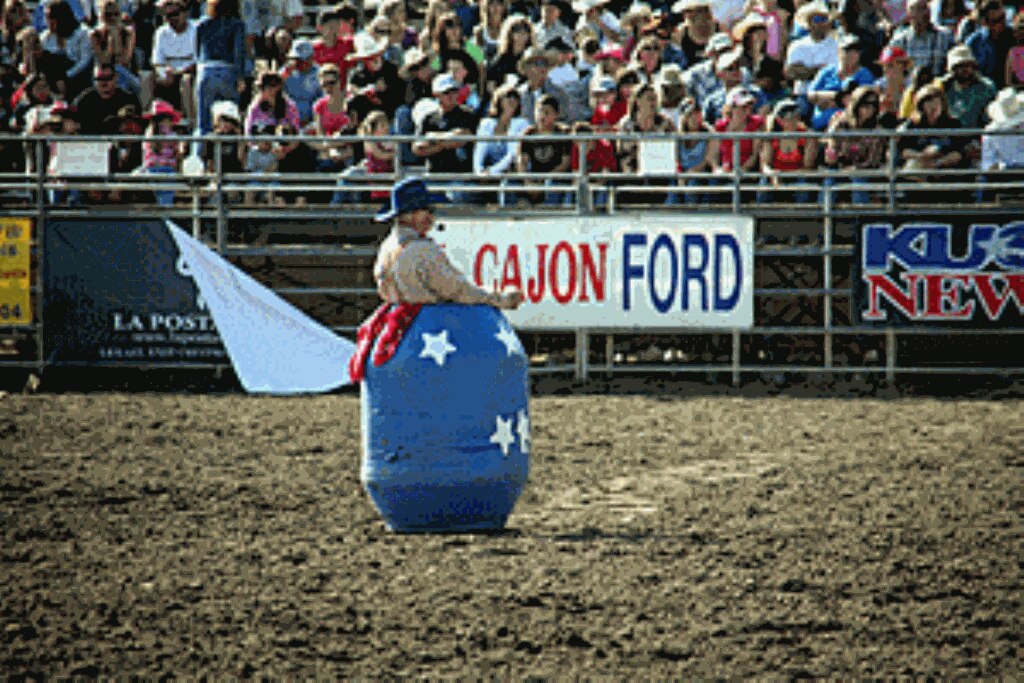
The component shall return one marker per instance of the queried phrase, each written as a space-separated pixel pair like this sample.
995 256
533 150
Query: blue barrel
445 422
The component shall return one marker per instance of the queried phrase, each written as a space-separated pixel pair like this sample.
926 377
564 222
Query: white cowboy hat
961 54
225 109
1007 107
805 13
584 6
684 5
367 45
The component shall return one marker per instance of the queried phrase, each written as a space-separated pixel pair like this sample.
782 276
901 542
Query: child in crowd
161 156
380 156
261 160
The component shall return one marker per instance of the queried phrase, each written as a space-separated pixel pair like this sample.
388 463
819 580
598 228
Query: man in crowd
992 42
925 43
701 79
174 57
730 75
551 25
333 46
968 93
535 66
100 104
443 154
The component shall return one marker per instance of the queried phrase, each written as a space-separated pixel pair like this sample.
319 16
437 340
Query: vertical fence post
609 354
218 166
827 249
891 172
584 203
582 354
890 355
735 358
735 176
41 204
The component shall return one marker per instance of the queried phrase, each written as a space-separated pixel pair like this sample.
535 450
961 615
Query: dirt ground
667 534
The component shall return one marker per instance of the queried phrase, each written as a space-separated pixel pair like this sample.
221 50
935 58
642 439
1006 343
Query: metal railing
826 325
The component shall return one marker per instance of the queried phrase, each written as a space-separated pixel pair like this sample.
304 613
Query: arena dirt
663 535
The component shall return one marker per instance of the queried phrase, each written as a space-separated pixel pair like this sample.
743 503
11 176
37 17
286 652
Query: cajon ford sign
613 271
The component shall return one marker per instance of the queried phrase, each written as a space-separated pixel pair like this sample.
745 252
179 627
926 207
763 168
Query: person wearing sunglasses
824 90
101 103
992 42
819 48
113 42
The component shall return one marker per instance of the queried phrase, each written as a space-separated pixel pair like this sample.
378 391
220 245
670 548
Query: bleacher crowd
527 69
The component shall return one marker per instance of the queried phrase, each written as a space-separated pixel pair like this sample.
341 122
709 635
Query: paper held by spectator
656 157
81 159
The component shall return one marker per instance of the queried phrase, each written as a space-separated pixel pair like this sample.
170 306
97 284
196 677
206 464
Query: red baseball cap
892 54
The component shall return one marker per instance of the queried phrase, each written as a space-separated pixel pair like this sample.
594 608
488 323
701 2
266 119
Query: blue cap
408 195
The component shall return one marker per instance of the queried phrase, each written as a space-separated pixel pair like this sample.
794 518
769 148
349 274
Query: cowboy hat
746 25
803 16
414 59
225 109
1007 107
534 54
961 54
684 5
163 108
301 49
584 6
407 195
367 46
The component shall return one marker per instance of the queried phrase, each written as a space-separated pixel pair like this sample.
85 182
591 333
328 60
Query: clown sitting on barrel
445 418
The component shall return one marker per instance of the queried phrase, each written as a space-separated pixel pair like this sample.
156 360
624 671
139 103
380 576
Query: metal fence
804 319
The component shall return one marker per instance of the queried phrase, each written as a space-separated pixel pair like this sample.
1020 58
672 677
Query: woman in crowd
751 34
220 58
293 157
330 117
270 106
15 32
379 155
784 159
515 39
467 76
402 34
694 152
68 50
647 59
921 149
737 117
113 42
644 117
488 32
448 41
861 153
492 158
546 156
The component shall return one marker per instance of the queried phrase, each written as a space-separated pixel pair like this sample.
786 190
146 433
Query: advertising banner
15 271
960 272
117 291
626 271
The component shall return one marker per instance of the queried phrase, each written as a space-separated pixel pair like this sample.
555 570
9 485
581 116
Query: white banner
627 271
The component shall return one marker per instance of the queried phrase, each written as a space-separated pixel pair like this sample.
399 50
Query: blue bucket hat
409 195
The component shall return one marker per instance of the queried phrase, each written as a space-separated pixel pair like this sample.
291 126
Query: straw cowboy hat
368 45
1007 107
746 25
961 54
803 16
534 54
414 59
638 14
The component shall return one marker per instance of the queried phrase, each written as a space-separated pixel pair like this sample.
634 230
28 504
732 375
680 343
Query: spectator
751 35
824 89
227 123
332 47
869 22
375 76
516 37
263 16
330 118
660 29
543 156
647 59
294 156
443 154
161 156
611 60
567 76
925 43
536 66
776 20
270 106
671 92
694 152
730 75
126 155
967 92
770 80
448 39
701 79
922 150
68 50
302 79
261 160
992 42
276 46
14 27
600 157
488 34
402 34
599 21
62 120
894 83
102 102
380 28
220 58
784 159
40 22
1014 67
633 20
493 158
113 42
818 49
34 93
737 117
468 88
605 96
862 153
643 117
949 13
1004 152
551 25
379 155
174 57
697 32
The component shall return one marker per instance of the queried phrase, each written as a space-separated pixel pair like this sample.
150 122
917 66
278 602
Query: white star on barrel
523 429
507 336
502 435
437 346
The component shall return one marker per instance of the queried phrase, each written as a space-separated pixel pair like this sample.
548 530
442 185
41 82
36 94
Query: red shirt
746 146
337 55
600 157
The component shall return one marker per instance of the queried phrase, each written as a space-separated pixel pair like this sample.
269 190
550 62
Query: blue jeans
163 197
66 197
214 82
770 194
856 196
127 80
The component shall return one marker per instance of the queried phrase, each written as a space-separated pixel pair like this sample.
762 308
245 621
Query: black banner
965 271
114 291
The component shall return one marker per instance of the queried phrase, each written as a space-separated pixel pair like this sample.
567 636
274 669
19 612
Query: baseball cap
444 83
892 54
302 49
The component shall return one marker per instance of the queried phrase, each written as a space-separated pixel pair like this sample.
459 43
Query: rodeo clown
444 391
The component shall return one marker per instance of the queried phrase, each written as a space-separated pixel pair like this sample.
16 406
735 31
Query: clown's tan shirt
414 269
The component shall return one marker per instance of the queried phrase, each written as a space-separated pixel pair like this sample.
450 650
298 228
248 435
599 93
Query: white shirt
173 49
564 75
1003 151
814 54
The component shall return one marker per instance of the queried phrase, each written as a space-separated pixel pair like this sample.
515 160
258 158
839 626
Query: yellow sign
15 278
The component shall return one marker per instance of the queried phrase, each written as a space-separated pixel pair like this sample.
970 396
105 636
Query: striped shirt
927 50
